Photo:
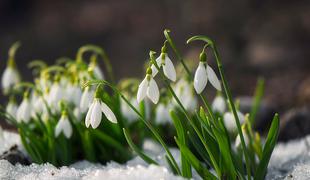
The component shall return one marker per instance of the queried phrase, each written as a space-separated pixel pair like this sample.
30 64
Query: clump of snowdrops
215 139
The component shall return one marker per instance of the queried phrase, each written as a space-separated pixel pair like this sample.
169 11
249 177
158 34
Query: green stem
228 95
233 108
166 81
179 57
148 124
101 52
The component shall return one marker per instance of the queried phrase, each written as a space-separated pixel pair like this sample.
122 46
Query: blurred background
255 38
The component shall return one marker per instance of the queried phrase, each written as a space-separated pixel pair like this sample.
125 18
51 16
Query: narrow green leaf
259 92
268 148
137 150
225 152
110 141
186 167
202 171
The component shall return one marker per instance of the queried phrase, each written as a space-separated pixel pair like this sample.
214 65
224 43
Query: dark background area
255 37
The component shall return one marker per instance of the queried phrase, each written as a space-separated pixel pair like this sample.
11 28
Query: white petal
86 99
200 79
12 109
153 67
153 91
88 115
67 128
230 123
24 111
219 104
108 112
169 69
96 115
9 78
142 90
98 73
58 128
213 78
162 114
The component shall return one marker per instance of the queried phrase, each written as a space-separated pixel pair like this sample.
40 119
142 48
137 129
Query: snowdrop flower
24 110
229 120
63 126
86 99
163 114
74 94
185 94
164 61
238 140
94 114
204 73
94 65
77 113
149 88
219 104
11 108
38 106
127 112
55 96
10 77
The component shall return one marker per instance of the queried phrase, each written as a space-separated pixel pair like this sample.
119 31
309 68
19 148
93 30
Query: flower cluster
49 117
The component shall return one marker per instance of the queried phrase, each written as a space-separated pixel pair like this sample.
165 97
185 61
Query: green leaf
137 150
186 167
109 141
225 152
202 170
259 92
268 148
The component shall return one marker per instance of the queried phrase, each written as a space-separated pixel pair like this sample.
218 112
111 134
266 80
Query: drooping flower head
164 61
94 114
184 91
219 104
230 123
10 76
149 88
24 110
204 73
12 107
64 126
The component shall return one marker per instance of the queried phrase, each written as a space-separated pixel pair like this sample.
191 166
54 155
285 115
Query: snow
289 161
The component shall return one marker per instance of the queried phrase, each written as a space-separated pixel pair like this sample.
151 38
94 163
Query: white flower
185 93
24 111
86 99
11 109
219 104
163 114
10 77
149 88
229 120
55 96
38 106
204 73
63 126
168 67
95 111
98 73
74 94
127 112
77 113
